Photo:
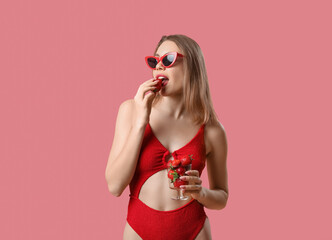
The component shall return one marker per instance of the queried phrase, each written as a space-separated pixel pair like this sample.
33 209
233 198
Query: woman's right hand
143 101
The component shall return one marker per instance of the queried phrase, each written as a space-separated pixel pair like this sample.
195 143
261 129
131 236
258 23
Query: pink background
66 66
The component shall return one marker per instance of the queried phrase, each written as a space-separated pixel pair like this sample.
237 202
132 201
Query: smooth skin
173 127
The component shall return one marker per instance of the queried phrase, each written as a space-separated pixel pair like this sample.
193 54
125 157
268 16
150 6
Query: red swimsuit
183 223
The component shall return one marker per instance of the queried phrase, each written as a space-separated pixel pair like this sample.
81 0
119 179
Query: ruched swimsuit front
152 224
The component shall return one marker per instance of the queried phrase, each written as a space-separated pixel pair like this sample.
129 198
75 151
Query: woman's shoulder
214 133
127 103
214 126
126 108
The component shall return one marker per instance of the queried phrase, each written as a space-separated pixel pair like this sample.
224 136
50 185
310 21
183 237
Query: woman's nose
159 66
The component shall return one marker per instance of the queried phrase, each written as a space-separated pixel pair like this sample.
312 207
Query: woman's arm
125 150
133 116
215 197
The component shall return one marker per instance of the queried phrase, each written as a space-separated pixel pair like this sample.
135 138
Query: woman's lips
161 75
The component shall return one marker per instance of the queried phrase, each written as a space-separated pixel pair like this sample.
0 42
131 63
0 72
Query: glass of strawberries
175 169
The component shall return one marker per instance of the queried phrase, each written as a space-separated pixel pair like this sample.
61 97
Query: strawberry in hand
180 171
158 86
186 160
173 175
178 182
175 163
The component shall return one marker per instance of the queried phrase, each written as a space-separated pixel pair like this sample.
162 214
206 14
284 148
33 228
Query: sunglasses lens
168 59
152 62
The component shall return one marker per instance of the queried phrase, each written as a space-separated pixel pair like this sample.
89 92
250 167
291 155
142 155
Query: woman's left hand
194 186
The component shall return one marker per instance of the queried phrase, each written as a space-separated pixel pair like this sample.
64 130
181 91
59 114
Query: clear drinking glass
176 185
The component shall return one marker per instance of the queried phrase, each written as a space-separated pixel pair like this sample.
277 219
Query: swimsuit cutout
183 223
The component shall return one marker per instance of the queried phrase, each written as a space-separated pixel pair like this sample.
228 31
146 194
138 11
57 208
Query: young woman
154 128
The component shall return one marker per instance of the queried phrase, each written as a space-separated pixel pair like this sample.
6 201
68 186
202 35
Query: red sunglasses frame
162 57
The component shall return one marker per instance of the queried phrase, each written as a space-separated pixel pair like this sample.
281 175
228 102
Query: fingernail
182 177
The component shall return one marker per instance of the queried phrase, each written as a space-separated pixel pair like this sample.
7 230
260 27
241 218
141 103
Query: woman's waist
159 196
136 205
161 204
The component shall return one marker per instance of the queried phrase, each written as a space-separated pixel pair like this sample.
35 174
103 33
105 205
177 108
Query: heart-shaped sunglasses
167 60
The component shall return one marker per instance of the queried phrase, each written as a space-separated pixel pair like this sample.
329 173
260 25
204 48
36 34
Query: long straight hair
196 91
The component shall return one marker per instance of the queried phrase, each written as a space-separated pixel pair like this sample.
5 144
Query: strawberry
186 160
169 164
179 182
158 86
170 174
180 171
176 163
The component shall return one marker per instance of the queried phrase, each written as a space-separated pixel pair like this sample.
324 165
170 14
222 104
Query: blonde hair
196 91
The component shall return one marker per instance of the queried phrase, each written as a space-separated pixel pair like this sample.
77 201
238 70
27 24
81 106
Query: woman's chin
162 90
